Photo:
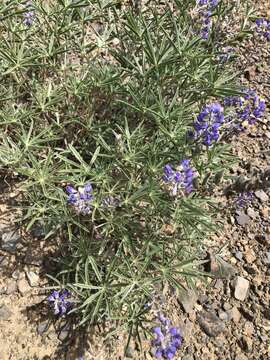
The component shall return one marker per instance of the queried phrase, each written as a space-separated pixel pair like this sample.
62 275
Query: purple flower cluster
205 10
207 125
263 28
29 15
244 199
59 302
248 108
81 199
181 180
167 339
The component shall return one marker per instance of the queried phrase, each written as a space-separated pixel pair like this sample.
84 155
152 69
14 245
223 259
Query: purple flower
58 301
247 108
81 199
206 127
167 339
244 199
179 180
29 15
263 28
204 13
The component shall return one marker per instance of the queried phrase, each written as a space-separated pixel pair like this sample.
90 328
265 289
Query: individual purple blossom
59 302
207 125
167 339
263 28
81 199
179 181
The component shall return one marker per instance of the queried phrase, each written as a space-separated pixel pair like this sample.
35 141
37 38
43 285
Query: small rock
63 335
234 314
250 256
11 287
42 327
16 275
10 240
203 299
242 219
248 329
188 299
186 328
265 212
227 306
241 288
266 258
261 195
210 323
246 344
129 353
5 313
223 316
218 284
266 313
3 290
23 286
238 255
251 213
33 278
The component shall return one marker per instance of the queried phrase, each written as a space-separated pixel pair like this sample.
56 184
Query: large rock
9 240
210 323
188 299
241 288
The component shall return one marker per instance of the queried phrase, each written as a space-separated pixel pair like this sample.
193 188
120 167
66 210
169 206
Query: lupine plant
97 100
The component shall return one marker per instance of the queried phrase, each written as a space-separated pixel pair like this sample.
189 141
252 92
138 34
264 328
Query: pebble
23 286
234 314
187 300
238 255
32 278
210 323
266 258
63 335
227 306
10 240
251 213
261 195
11 287
16 274
223 315
242 219
42 327
250 256
5 313
241 288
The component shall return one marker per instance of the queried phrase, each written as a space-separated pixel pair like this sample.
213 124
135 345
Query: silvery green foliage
92 93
